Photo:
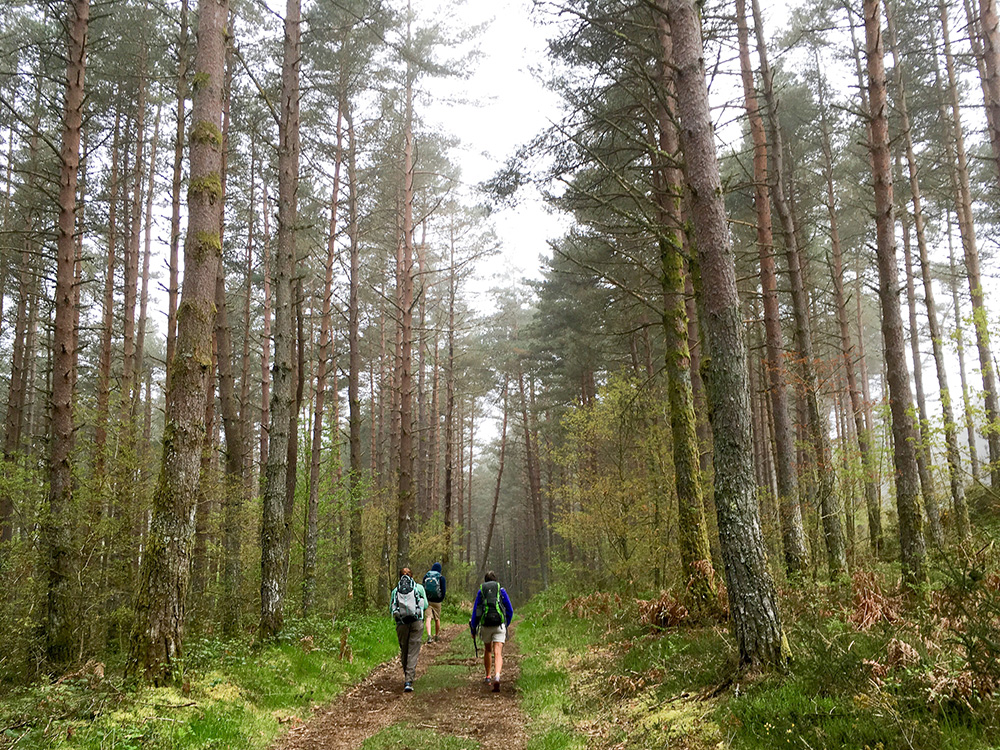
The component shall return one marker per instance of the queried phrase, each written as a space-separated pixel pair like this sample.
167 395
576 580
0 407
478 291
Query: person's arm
392 603
443 587
507 607
475 613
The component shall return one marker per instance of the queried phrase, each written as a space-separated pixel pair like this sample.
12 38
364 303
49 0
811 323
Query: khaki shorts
495 634
434 608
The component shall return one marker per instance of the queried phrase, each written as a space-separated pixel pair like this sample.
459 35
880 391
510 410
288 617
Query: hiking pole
475 645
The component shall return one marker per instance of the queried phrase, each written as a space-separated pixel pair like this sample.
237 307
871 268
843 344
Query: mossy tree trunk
696 557
158 627
752 597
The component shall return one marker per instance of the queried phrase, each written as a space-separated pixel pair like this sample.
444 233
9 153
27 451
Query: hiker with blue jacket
407 604
491 616
434 587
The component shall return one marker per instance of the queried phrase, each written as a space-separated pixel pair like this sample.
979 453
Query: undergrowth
870 671
231 695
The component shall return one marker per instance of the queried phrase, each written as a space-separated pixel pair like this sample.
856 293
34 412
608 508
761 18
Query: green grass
406 737
237 698
550 642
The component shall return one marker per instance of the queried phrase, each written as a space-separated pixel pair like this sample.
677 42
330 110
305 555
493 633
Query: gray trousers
409 637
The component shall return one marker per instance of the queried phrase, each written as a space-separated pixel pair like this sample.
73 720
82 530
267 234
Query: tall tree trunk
484 560
358 573
404 519
325 354
950 428
966 223
265 340
818 427
234 482
449 409
911 540
668 181
970 426
107 329
922 427
175 189
160 607
131 280
753 600
274 524
989 52
57 531
531 462
140 340
790 512
862 435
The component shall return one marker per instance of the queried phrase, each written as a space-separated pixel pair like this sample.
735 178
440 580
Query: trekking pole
475 645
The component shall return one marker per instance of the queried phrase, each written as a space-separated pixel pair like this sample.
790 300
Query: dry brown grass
871 604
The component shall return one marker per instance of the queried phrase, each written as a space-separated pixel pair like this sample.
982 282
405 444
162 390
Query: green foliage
235 696
616 501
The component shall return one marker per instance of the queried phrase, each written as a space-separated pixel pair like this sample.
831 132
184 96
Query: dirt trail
452 700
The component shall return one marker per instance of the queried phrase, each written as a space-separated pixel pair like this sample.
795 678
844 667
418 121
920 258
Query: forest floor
450 700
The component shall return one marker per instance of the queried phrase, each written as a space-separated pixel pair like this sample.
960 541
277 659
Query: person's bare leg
497 659
487 653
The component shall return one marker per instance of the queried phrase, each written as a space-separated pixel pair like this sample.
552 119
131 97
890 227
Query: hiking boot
488 680
496 686
408 687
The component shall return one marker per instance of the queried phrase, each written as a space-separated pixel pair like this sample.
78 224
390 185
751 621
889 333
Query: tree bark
60 626
175 189
790 511
912 552
862 435
405 492
753 600
922 426
160 606
818 424
325 354
274 524
668 185
966 224
960 349
950 428
358 573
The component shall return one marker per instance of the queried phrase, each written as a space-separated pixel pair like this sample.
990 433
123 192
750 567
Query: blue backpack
432 586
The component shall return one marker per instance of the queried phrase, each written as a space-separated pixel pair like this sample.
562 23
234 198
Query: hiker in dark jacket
434 587
491 616
407 604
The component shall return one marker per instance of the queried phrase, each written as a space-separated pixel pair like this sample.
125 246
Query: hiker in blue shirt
406 605
434 587
491 616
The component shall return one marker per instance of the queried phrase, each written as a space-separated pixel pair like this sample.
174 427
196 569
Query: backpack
492 615
432 586
405 608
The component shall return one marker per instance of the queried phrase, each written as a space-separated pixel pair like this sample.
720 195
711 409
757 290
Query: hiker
491 616
407 604
434 587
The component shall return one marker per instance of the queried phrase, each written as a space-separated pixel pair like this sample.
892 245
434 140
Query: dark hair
405 572
491 576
